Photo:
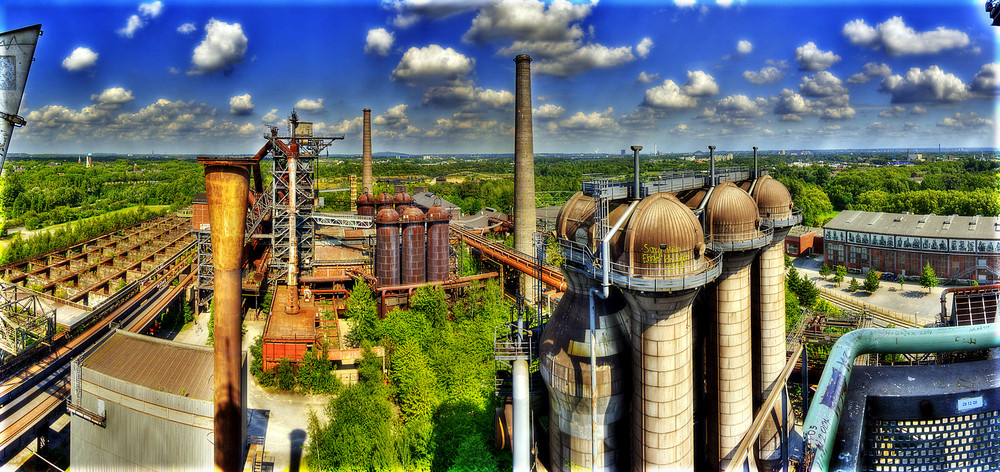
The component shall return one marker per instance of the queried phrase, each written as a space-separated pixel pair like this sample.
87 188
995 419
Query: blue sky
206 77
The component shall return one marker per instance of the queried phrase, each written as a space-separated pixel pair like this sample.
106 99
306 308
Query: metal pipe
711 160
227 187
606 249
593 372
636 193
292 305
823 417
755 174
522 426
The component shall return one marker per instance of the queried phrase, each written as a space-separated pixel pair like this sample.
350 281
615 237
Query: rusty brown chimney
227 187
524 165
367 183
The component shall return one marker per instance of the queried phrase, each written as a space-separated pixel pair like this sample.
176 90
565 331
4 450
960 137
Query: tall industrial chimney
367 184
524 166
227 187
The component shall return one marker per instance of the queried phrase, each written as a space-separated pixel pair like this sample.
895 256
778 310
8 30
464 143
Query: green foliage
414 381
211 323
264 379
928 279
430 301
827 308
788 261
807 291
824 270
363 310
855 286
793 311
553 253
872 280
315 373
792 277
839 273
285 375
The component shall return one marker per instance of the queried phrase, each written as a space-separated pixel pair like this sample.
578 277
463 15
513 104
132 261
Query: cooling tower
774 205
367 182
664 250
387 247
564 362
437 243
227 188
731 216
524 167
414 246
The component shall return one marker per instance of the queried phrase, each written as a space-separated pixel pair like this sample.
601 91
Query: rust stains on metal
437 243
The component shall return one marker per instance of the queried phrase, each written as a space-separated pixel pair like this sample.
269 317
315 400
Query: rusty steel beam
227 187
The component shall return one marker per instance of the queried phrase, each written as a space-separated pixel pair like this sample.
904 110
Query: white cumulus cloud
744 47
811 57
224 45
548 111
987 80
929 86
898 39
684 3
642 49
969 121
309 105
670 95
151 10
699 84
767 75
186 28
81 58
112 98
527 20
132 24
241 104
432 64
379 41
645 78
587 57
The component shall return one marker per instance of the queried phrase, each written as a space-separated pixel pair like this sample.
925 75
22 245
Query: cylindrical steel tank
774 202
524 167
664 241
575 218
564 362
401 201
387 247
734 224
383 201
437 243
414 246
366 205
367 182
227 188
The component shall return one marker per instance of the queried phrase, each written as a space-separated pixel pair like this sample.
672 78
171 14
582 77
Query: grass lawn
4 242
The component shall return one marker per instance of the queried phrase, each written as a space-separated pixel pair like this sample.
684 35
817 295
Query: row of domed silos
410 247
660 354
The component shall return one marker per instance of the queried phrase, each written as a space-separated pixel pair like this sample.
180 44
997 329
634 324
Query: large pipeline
227 187
823 417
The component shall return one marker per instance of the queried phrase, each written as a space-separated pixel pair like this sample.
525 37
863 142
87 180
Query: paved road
911 300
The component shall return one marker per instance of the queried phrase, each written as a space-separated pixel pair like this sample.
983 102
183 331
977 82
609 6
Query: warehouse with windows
964 248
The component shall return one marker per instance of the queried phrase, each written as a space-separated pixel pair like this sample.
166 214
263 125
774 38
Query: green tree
553 253
265 379
362 309
824 270
928 279
839 273
285 375
872 280
855 286
807 291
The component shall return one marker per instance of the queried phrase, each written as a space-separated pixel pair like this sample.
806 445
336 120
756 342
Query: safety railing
742 241
783 221
668 277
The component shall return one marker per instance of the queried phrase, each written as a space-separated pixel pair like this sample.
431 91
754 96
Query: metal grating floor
959 443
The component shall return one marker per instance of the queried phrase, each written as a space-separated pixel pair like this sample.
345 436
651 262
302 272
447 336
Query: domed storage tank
767 313
383 201
617 242
414 246
366 205
401 201
575 218
387 247
666 259
734 223
564 362
437 243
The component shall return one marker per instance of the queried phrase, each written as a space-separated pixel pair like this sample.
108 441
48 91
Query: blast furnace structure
672 329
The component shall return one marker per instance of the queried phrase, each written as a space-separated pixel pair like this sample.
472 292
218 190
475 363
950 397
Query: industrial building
143 403
964 248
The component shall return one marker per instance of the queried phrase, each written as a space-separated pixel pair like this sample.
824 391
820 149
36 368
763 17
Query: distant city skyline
192 76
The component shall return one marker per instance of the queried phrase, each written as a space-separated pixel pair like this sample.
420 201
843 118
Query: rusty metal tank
733 219
384 200
414 246
664 241
401 201
437 243
564 363
366 205
767 312
387 247
575 218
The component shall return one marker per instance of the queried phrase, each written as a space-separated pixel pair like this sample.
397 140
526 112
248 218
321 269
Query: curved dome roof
617 241
731 211
387 215
436 213
403 197
384 199
773 199
411 214
664 238
366 199
578 212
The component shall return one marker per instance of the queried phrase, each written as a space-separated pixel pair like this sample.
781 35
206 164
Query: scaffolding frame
24 319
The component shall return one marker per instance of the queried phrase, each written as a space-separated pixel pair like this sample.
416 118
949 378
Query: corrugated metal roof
426 200
154 363
925 226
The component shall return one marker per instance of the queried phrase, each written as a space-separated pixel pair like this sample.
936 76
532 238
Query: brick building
957 247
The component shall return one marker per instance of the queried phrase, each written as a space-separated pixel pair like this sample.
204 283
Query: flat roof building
956 247
143 403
